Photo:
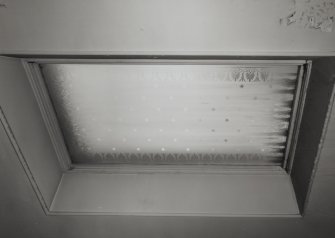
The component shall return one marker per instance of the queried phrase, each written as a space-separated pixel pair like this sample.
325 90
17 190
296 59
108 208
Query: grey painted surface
221 194
22 113
21 214
172 27
312 130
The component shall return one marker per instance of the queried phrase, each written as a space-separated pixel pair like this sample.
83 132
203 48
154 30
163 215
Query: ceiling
219 27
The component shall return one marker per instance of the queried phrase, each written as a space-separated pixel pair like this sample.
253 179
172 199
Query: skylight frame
36 79
24 130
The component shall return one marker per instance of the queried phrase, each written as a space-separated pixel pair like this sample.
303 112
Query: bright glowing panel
173 113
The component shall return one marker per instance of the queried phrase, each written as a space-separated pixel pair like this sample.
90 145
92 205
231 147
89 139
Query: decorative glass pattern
173 113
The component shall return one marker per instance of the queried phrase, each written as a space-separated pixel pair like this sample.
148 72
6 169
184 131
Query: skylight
170 113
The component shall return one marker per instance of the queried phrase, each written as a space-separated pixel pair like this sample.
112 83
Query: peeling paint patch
311 14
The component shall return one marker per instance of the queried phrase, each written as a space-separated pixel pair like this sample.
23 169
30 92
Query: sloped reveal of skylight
173 113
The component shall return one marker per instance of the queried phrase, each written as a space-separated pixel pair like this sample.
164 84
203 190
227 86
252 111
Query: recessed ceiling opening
171 113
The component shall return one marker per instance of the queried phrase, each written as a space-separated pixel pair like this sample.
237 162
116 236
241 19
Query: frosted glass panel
173 113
